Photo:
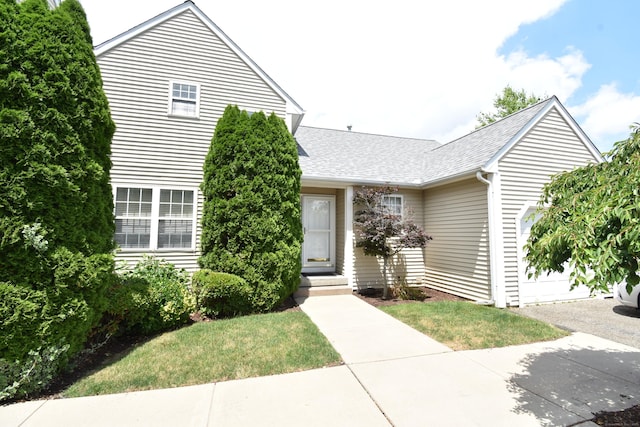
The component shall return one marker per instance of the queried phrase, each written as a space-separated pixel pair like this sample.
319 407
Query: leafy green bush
20 379
122 314
22 313
221 294
37 323
66 310
251 224
156 297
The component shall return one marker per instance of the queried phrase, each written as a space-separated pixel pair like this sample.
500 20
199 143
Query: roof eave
452 178
343 182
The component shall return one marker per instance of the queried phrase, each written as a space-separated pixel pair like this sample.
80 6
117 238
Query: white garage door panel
547 287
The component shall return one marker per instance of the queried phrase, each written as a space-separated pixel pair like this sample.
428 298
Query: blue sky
603 30
426 69
605 33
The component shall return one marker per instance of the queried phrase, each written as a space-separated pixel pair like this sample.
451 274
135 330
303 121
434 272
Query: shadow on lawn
581 381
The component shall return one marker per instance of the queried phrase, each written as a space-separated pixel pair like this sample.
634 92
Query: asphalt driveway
605 318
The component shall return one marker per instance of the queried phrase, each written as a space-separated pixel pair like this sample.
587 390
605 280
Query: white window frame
170 112
155 215
387 197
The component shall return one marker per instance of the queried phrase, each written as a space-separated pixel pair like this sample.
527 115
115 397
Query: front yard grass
207 352
463 325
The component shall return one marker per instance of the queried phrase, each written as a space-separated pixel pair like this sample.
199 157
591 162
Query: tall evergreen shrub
251 224
56 133
56 208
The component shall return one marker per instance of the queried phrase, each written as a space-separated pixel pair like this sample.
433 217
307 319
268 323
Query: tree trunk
385 289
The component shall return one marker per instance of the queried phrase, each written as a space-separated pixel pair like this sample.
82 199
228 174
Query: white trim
520 253
496 244
155 215
348 271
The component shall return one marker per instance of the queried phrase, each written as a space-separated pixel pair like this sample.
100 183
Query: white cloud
607 115
541 75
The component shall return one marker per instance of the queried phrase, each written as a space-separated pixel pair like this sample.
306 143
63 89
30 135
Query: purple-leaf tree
380 231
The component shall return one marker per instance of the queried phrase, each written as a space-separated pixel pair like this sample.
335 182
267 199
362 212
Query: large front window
154 218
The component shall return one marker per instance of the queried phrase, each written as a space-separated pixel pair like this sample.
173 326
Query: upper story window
184 99
393 204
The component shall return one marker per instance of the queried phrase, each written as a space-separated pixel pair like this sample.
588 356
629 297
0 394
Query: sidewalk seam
33 413
384 414
391 359
210 409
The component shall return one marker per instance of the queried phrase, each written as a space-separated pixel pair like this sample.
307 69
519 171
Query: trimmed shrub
221 294
156 297
251 224
123 314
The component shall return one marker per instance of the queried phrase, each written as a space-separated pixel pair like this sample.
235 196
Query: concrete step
314 291
323 280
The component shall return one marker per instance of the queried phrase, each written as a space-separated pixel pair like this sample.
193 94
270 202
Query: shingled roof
473 151
353 157
335 155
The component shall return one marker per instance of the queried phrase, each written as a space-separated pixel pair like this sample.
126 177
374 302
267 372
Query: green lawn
463 325
243 347
278 343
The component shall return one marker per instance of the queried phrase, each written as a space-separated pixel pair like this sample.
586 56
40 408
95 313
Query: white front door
318 222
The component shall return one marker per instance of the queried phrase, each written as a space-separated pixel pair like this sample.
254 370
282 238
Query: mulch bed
627 418
374 297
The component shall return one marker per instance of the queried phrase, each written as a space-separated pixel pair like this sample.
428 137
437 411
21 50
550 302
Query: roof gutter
496 254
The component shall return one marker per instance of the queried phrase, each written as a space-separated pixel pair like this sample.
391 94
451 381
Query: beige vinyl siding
457 259
408 264
550 147
149 146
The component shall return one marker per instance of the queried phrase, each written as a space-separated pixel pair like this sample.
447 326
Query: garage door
547 287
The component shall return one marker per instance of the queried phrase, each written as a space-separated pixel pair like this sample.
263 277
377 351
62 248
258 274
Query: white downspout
498 297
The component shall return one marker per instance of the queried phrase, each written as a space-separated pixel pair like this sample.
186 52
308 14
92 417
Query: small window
184 99
153 218
392 204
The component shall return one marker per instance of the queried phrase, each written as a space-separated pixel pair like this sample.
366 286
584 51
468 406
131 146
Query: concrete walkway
393 376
